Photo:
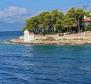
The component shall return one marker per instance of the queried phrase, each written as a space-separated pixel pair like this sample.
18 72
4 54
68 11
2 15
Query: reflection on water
27 64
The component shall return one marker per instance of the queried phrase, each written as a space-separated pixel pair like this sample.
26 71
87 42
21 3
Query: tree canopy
56 21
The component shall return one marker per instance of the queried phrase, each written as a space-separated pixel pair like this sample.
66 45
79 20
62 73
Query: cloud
12 10
12 13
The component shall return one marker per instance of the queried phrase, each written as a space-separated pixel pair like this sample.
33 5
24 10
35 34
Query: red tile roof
86 20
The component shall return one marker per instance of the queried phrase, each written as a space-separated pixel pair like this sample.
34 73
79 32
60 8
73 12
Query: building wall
27 36
39 37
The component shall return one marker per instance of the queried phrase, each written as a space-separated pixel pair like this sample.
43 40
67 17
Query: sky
13 13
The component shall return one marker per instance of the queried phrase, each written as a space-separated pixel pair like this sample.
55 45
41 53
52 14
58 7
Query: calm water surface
29 64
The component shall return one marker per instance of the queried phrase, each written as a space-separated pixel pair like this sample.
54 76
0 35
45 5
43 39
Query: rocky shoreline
60 42
72 39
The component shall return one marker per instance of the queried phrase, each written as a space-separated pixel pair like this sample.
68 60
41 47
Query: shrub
50 39
88 28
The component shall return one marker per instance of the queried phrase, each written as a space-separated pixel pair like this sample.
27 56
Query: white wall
28 37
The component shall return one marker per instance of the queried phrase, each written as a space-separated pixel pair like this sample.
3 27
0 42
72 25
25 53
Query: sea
43 64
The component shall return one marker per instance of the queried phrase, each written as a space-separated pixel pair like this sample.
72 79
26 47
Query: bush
88 28
50 39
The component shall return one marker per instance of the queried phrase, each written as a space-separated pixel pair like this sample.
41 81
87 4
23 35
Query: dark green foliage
56 21
88 27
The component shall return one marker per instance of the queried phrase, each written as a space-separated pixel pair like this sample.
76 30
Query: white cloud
12 12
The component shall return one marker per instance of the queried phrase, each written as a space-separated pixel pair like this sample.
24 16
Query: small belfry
28 36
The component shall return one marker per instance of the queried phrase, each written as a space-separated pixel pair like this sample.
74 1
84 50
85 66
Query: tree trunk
78 25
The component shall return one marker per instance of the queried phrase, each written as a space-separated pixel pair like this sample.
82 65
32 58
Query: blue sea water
6 35
48 64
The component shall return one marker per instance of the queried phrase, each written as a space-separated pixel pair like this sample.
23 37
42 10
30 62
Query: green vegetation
88 27
56 21
49 39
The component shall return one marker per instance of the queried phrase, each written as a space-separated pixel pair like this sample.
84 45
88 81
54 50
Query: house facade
86 21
